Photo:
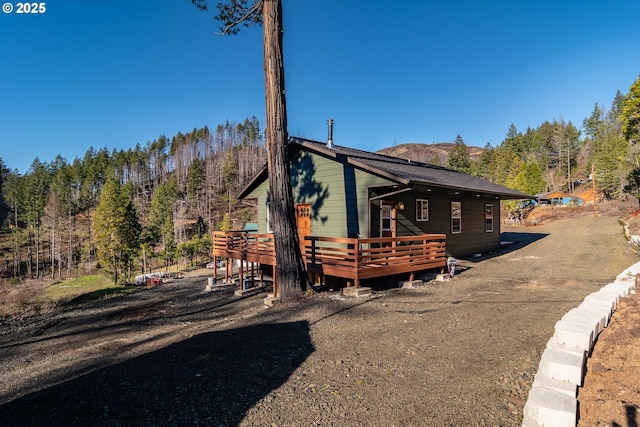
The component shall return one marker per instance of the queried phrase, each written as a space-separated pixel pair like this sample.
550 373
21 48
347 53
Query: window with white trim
456 217
488 218
385 217
422 210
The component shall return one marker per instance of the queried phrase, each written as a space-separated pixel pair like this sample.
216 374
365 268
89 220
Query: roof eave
257 180
332 154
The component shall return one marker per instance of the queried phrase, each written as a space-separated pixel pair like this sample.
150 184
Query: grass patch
83 289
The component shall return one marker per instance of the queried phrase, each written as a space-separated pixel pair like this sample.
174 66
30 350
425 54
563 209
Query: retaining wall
552 400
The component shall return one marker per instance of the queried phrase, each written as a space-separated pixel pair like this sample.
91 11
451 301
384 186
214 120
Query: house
362 215
344 192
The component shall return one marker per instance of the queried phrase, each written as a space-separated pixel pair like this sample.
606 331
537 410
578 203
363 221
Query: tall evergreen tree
13 193
290 270
514 140
459 158
117 231
36 188
161 224
4 209
630 115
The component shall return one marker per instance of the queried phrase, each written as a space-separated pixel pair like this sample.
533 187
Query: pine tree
459 158
117 231
161 218
290 270
630 115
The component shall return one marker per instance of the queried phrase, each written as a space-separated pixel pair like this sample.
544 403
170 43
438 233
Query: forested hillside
58 213
152 206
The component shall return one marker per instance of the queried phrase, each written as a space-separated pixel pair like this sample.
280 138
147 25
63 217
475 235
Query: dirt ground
457 353
610 395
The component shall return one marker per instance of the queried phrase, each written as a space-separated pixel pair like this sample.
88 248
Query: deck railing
358 259
351 258
244 245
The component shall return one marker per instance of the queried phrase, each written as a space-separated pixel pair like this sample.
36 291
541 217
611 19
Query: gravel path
456 353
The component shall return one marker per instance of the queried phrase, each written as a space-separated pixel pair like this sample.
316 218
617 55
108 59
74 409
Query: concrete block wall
552 400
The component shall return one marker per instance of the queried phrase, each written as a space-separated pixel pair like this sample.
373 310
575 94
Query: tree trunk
289 264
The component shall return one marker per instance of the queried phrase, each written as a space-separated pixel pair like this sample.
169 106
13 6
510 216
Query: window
304 211
385 217
269 227
422 210
456 217
488 218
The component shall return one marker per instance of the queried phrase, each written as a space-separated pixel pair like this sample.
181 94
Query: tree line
557 156
152 206
126 211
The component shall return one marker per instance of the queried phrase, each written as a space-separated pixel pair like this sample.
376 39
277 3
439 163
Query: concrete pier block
270 300
595 305
573 335
631 271
561 365
410 284
609 293
601 314
555 344
549 407
622 287
246 292
581 322
360 291
603 298
586 317
567 387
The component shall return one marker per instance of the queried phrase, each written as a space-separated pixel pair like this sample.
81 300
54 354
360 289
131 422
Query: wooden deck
349 258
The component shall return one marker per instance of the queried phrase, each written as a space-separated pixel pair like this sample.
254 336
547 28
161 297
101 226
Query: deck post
313 250
356 251
275 283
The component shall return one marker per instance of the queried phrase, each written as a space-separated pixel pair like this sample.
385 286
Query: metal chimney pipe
330 137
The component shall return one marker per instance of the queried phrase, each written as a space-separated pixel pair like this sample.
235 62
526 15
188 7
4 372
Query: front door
303 223
387 219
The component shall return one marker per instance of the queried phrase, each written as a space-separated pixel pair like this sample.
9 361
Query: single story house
344 192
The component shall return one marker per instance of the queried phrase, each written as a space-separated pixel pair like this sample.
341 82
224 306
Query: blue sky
120 72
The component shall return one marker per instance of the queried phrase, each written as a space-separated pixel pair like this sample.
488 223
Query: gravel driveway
456 353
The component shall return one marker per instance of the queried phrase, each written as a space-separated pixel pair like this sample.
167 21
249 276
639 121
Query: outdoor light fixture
400 206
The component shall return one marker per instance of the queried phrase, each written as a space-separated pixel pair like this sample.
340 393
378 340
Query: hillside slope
436 153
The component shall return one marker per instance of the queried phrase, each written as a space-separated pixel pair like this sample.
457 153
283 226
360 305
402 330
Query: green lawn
83 289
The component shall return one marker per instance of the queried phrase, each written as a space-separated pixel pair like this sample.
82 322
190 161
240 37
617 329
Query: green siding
337 193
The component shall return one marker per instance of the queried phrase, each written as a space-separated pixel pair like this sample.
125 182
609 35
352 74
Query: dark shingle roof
410 172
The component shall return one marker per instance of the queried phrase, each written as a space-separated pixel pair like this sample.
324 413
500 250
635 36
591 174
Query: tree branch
245 14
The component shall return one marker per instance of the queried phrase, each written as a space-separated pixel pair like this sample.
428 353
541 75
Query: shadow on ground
208 379
510 241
